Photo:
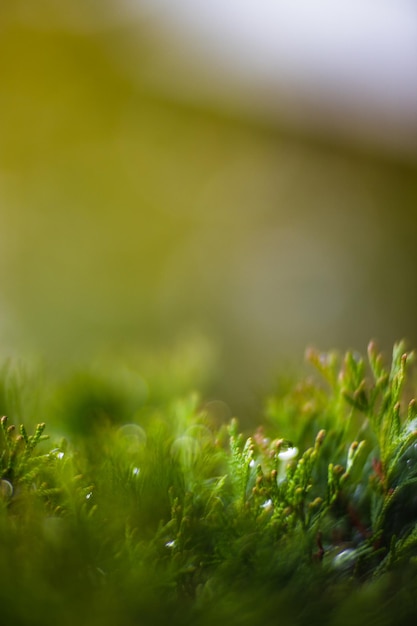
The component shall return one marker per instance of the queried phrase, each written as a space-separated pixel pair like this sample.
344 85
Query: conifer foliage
170 517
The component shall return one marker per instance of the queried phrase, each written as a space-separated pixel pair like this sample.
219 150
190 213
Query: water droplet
170 544
186 449
57 453
133 435
136 471
199 432
287 455
218 411
323 359
411 426
6 489
344 559
88 496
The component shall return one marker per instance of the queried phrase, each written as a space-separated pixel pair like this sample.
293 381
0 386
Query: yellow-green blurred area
133 220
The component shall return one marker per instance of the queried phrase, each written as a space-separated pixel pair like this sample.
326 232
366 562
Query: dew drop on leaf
6 489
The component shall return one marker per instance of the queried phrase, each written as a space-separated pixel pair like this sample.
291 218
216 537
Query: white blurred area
346 67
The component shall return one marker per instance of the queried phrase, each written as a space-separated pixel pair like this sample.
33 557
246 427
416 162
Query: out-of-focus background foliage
151 198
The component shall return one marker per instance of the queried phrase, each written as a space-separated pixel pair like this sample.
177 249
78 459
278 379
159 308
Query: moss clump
171 518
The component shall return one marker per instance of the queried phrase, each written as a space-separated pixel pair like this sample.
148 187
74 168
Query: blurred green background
136 220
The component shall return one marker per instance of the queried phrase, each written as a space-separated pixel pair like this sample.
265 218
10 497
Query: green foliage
171 517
